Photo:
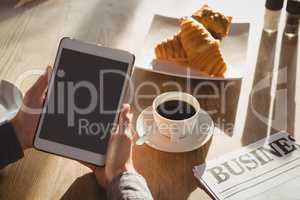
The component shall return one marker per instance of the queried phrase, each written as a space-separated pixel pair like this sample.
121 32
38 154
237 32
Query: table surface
28 41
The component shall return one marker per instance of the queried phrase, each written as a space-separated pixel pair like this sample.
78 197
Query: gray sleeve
128 186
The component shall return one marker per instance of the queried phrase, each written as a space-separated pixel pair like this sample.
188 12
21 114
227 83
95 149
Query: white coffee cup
175 129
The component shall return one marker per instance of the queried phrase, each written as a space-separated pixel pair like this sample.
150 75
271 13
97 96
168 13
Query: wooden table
28 41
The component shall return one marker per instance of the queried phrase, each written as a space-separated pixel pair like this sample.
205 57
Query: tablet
84 97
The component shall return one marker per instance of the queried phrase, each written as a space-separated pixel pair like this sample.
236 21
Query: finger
40 86
135 135
123 122
125 108
49 72
129 116
128 129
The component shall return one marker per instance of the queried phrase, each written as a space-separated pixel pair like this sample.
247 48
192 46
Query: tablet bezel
66 150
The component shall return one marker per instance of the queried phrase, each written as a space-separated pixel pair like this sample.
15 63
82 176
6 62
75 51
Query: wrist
127 168
18 131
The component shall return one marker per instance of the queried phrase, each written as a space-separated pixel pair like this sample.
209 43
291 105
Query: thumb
124 119
40 86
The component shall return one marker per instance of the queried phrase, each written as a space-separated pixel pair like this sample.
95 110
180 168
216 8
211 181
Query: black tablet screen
83 101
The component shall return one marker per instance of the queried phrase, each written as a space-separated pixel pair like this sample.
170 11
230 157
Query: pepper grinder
272 15
292 17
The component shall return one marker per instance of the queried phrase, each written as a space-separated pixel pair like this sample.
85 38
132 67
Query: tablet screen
83 101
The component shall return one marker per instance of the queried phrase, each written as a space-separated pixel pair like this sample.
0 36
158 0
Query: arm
17 134
119 175
10 148
128 185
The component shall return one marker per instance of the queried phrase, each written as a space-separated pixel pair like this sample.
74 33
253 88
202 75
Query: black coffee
176 110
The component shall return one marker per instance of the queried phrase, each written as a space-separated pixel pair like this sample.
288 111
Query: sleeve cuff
129 185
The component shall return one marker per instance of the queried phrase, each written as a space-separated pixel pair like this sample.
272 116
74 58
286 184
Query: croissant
217 23
171 49
203 51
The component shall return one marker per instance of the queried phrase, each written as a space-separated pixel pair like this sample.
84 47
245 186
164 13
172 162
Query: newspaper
268 169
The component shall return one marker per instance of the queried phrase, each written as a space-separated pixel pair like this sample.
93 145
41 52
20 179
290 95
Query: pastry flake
217 23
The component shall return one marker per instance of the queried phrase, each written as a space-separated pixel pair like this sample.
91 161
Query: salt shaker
292 17
272 15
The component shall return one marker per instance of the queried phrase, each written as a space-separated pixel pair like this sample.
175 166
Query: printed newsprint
267 169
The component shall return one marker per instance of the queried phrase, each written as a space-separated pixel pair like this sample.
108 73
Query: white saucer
10 100
148 132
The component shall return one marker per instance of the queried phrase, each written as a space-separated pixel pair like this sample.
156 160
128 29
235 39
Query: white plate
234 48
10 100
147 130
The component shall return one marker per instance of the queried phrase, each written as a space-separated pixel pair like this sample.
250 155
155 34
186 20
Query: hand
119 152
25 122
